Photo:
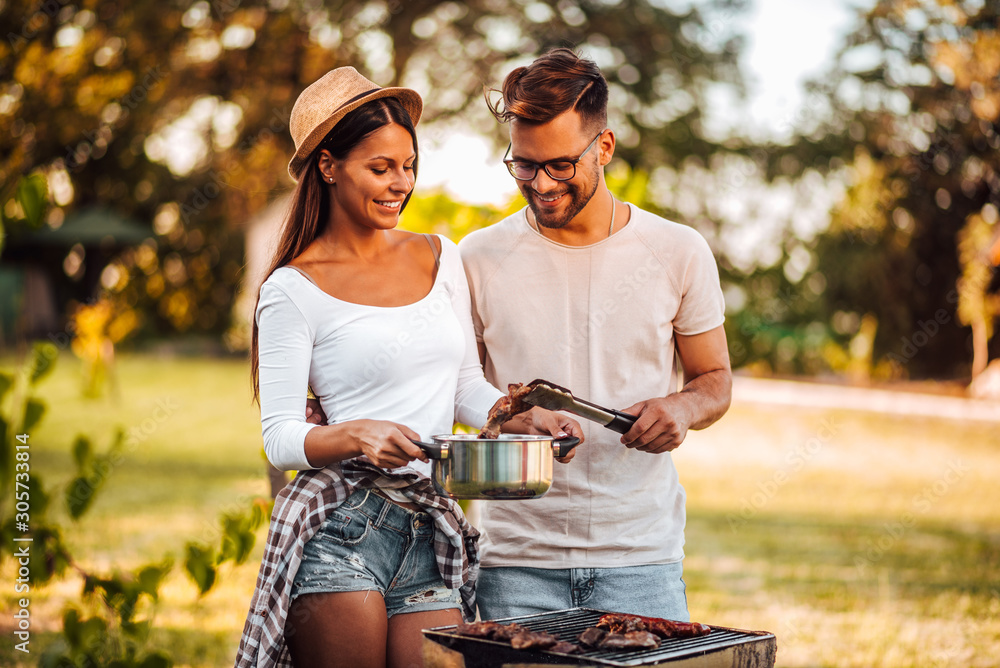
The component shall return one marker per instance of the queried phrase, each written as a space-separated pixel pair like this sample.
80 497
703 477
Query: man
594 295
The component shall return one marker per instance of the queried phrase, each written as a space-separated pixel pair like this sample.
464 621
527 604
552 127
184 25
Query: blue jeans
370 544
656 590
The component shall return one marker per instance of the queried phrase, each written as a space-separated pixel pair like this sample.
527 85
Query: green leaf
137 630
6 382
71 627
39 497
49 554
34 409
56 657
79 496
32 192
6 454
127 603
157 660
230 538
200 565
7 537
114 589
151 577
117 442
261 511
43 360
244 546
83 451
92 633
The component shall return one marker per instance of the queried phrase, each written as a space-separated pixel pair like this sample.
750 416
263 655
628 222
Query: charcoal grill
722 647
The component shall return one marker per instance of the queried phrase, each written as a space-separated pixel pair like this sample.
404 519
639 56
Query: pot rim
504 438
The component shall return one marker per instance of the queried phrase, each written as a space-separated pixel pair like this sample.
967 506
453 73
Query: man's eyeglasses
558 170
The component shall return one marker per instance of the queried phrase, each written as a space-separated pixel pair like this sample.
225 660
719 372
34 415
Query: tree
177 114
914 105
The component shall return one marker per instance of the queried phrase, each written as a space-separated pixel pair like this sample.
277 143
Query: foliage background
863 247
880 208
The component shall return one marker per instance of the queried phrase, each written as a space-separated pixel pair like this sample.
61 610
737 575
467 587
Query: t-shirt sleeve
474 395
284 344
702 306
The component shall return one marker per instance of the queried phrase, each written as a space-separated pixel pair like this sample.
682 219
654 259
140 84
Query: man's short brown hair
554 83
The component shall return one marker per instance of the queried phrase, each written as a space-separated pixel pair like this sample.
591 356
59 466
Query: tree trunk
980 347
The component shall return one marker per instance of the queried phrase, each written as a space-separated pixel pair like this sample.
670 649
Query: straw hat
322 105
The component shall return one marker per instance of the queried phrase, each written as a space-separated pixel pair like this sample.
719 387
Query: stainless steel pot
511 467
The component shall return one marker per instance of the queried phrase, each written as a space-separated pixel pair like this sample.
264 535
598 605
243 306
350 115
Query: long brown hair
309 212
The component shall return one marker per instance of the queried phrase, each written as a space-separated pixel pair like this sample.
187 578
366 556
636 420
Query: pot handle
432 450
562 446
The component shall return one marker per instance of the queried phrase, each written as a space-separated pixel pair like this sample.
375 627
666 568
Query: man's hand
708 383
546 423
662 425
314 412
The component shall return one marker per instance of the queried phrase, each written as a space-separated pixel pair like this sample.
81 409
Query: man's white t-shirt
599 320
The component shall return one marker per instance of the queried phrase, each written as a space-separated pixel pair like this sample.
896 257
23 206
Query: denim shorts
656 590
371 544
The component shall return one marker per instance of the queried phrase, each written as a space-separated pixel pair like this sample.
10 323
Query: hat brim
409 98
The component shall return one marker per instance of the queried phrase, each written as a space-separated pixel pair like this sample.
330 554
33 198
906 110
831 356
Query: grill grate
568 624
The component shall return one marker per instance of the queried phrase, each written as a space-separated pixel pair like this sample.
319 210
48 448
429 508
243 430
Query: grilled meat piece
665 628
477 629
506 632
620 623
599 638
505 409
630 640
533 640
564 647
490 630
518 636
592 636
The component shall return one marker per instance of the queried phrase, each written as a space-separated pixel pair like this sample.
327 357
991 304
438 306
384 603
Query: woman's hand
386 444
547 423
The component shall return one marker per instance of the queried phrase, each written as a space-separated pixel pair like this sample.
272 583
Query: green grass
859 540
193 451
873 542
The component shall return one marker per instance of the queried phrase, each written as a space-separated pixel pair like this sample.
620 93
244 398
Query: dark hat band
356 98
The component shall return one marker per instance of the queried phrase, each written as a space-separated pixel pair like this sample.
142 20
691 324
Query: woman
362 552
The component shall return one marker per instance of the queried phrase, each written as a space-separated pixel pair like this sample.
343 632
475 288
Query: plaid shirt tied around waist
299 511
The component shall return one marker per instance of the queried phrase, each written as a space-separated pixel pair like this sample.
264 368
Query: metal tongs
557 398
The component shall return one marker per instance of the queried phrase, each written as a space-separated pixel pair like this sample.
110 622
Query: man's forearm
706 398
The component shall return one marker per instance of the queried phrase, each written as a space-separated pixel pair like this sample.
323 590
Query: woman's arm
386 444
285 344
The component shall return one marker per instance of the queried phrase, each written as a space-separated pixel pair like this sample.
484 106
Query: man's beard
577 201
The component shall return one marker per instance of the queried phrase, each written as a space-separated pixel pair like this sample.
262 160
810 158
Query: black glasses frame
511 162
